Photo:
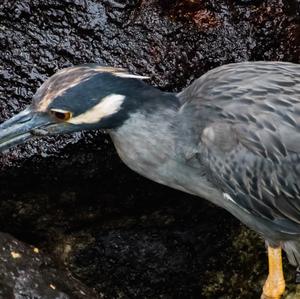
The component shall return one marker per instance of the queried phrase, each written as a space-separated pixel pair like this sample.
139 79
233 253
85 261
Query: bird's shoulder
253 104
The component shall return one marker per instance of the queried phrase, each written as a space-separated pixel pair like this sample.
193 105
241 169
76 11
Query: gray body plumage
233 138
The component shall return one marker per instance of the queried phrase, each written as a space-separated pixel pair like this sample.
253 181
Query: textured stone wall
71 195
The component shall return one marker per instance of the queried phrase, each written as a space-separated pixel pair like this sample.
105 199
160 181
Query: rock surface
26 273
71 195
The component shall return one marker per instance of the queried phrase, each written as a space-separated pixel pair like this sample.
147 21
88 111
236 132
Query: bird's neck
145 141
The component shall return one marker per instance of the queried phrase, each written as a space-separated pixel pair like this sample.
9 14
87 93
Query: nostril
25 119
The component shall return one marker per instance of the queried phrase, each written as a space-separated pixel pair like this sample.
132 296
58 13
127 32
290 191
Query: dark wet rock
173 41
158 257
71 195
25 272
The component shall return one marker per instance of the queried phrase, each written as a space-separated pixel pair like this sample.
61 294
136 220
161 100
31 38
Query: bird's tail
292 249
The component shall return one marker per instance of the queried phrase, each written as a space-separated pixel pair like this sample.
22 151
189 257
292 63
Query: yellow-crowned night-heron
232 137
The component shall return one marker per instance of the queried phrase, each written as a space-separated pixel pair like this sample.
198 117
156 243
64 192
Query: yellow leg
275 284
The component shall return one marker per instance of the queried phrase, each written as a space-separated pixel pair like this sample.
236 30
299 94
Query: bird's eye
61 115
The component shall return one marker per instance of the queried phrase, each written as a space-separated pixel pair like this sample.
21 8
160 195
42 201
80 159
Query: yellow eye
61 115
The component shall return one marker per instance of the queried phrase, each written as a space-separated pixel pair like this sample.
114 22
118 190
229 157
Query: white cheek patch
108 106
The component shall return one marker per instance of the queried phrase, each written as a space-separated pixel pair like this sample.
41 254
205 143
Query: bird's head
77 98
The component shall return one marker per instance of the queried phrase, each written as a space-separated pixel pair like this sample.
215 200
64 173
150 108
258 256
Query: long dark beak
23 126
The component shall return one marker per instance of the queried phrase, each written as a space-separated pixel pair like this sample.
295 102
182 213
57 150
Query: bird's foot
275 284
273 288
267 297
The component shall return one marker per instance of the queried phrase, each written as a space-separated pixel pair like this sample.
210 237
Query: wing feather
244 123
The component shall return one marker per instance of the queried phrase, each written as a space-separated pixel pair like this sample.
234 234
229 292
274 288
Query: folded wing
243 128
